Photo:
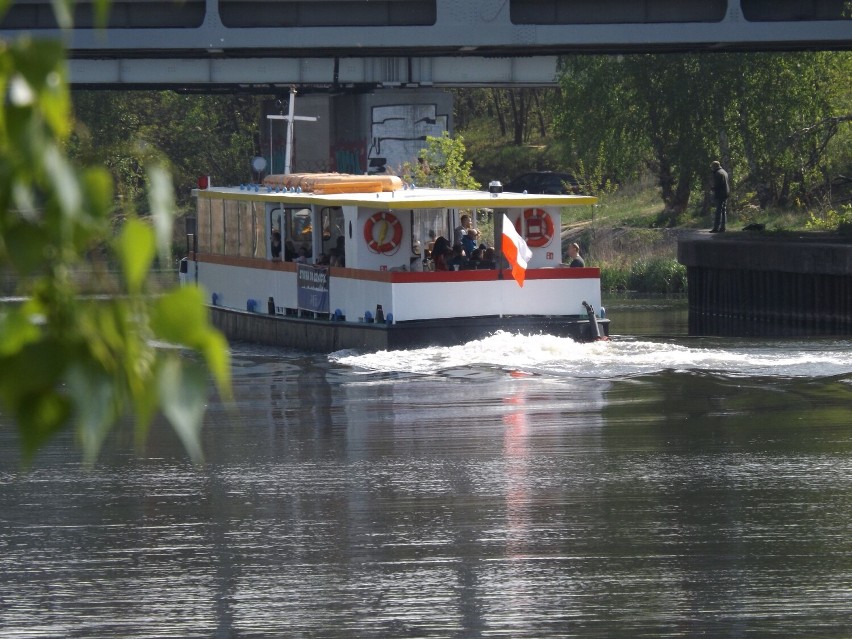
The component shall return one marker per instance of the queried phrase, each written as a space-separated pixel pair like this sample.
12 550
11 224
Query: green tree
65 359
770 117
598 120
784 114
638 112
196 135
442 164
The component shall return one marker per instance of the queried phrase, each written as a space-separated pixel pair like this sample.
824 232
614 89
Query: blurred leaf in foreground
82 361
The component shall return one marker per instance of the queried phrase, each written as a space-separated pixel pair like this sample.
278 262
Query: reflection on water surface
514 487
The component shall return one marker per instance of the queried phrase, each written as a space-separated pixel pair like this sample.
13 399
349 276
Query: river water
653 486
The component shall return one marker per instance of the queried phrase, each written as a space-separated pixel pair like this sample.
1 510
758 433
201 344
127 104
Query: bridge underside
409 42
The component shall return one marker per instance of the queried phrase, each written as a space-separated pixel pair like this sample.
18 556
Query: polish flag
515 250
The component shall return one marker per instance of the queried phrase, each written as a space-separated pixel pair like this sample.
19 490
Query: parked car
549 182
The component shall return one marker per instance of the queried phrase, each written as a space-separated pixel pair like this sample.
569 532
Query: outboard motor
593 324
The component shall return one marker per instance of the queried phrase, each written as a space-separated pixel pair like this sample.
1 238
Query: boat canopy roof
403 198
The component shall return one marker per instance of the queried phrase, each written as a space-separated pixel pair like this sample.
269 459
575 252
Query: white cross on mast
290 117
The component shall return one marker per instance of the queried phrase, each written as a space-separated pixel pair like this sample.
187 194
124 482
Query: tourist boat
358 279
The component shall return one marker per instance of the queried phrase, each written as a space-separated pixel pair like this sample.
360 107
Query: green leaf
16 331
64 182
183 393
25 245
62 356
161 201
40 415
218 359
34 367
30 387
145 404
135 247
98 188
40 82
93 394
62 12
101 13
180 317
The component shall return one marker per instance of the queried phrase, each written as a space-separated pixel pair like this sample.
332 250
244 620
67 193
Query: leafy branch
88 362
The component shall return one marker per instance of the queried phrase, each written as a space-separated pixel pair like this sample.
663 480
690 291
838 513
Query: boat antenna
290 118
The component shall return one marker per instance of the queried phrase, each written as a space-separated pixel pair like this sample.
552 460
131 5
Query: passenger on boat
290 251
276 245
487 259
574 254
468 241
302 255
441 252
462 230
458 260
335 258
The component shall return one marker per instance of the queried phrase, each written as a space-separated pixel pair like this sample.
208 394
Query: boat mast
290 118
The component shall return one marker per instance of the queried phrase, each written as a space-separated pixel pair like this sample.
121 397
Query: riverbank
622 236
631 259
747 284
91 281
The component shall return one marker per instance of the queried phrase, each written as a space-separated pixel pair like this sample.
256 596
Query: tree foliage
442 164
770 118
65 359
520 113
194 135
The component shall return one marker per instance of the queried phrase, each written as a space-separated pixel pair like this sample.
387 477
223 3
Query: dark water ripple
495 498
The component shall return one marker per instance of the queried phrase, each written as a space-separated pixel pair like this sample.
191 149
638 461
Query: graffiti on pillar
398 132
349 158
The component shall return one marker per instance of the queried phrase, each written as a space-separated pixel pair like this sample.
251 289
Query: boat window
484 222
276 224
429 224
331 218
298 230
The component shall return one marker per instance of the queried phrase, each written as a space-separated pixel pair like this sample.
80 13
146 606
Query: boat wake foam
623 357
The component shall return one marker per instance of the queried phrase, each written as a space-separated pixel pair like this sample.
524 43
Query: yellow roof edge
401 200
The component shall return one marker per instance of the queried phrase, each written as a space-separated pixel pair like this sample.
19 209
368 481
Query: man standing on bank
721 191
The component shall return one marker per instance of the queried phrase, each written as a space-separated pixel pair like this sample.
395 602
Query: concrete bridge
355 43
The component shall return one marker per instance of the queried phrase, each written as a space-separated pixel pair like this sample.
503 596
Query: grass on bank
618 235
622 234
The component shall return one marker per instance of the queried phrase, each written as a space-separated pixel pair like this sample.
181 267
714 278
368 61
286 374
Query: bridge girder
410 42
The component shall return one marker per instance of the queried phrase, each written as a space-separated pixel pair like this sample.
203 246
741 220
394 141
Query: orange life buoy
539 227
389 232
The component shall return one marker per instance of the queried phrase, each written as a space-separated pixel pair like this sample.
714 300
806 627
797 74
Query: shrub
831 220
614 278
657 275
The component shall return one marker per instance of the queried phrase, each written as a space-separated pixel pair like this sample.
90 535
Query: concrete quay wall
747 285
